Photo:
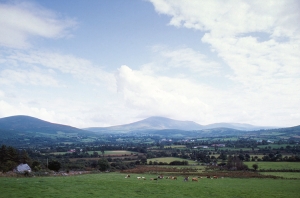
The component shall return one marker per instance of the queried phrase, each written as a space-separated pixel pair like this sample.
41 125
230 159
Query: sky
101 63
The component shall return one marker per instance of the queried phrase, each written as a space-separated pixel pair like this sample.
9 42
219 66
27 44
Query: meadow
170 159
106 153
275 165
116 185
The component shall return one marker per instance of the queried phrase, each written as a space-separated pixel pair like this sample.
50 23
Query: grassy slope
115 185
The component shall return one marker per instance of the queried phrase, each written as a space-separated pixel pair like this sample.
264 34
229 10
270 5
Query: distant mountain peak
163 123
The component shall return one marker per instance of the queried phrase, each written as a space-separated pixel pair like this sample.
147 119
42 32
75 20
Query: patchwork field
116 185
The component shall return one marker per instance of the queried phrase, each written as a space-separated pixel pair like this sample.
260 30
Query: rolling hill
23 123
162 123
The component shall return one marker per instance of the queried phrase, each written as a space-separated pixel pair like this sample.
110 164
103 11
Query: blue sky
110 62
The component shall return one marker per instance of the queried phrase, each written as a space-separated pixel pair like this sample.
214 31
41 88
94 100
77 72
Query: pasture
116 185
287 175
274 165
106 153
170 159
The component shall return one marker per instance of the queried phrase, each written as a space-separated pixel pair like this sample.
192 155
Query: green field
170 159
115 185
176 146
276 146
275 165
294 175
120 152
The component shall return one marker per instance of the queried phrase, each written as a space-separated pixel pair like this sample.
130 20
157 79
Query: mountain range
23 123
162 123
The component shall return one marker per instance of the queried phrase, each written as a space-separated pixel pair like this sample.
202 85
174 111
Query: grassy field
170 159
115 185
276 146
288 175
275 165
176 146
121 152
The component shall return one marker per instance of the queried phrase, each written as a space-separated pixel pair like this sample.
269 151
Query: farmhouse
22 168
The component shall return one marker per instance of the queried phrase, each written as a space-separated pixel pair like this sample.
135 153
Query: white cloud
182 60
160 95
34 76
20 21
260 42
80 68
233 17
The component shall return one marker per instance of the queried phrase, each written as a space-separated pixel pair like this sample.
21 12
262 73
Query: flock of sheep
175 178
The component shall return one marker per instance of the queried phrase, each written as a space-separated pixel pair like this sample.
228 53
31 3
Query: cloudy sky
110 62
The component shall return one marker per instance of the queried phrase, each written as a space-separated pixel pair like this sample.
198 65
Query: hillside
151 123
23 123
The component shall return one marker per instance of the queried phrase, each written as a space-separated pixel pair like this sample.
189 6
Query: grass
170 159
288 175
121 152
276 146
275 165
115 185
175 146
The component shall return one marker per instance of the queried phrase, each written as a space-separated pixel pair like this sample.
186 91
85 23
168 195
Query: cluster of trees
279 157
11 157
235 163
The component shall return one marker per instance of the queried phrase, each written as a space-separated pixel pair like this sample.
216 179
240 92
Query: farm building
22 168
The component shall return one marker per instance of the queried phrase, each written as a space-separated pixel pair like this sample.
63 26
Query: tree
36 166
102 151
9 158
255 166
54 165
25 159
103 164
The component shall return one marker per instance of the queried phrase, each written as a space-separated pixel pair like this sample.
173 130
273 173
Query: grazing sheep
138 177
